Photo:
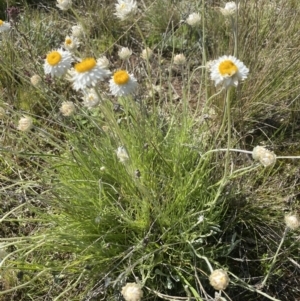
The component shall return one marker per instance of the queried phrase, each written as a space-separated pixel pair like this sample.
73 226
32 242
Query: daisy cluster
86 73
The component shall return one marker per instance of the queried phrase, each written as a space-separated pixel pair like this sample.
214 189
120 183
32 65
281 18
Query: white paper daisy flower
4 26
57 62
122 83
87 73
125 9
71 43
90 98
64 4
228 71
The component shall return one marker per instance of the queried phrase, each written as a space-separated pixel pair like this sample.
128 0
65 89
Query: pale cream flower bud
90 98
36 80
103 62
147 53
292 221
264 156
122 154
219 279
25 124
229 9
209 64
77 31
64 4
193 19
67 108
179 59
125 53
132 292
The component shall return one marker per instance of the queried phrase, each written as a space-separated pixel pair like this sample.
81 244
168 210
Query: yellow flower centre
86 65
121 77
123 6
228 68
1 22
68 41
53 58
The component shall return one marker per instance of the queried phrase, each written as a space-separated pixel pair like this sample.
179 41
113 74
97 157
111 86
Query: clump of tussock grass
177 206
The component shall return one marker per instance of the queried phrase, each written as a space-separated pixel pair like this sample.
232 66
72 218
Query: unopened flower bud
25 124
179 59
147 53
132 292
36 80
103 62
122 154
67 108
292 221
193 19
219 279
124 53
77 31
229 9
264 156
64 4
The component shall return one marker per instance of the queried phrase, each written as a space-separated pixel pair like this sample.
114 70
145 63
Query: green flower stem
275 257
234 30
227 157
226 114
208 101
204 59
243 151
226 175
201 257
227 149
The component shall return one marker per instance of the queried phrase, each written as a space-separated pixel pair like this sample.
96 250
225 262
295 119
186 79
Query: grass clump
147 180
